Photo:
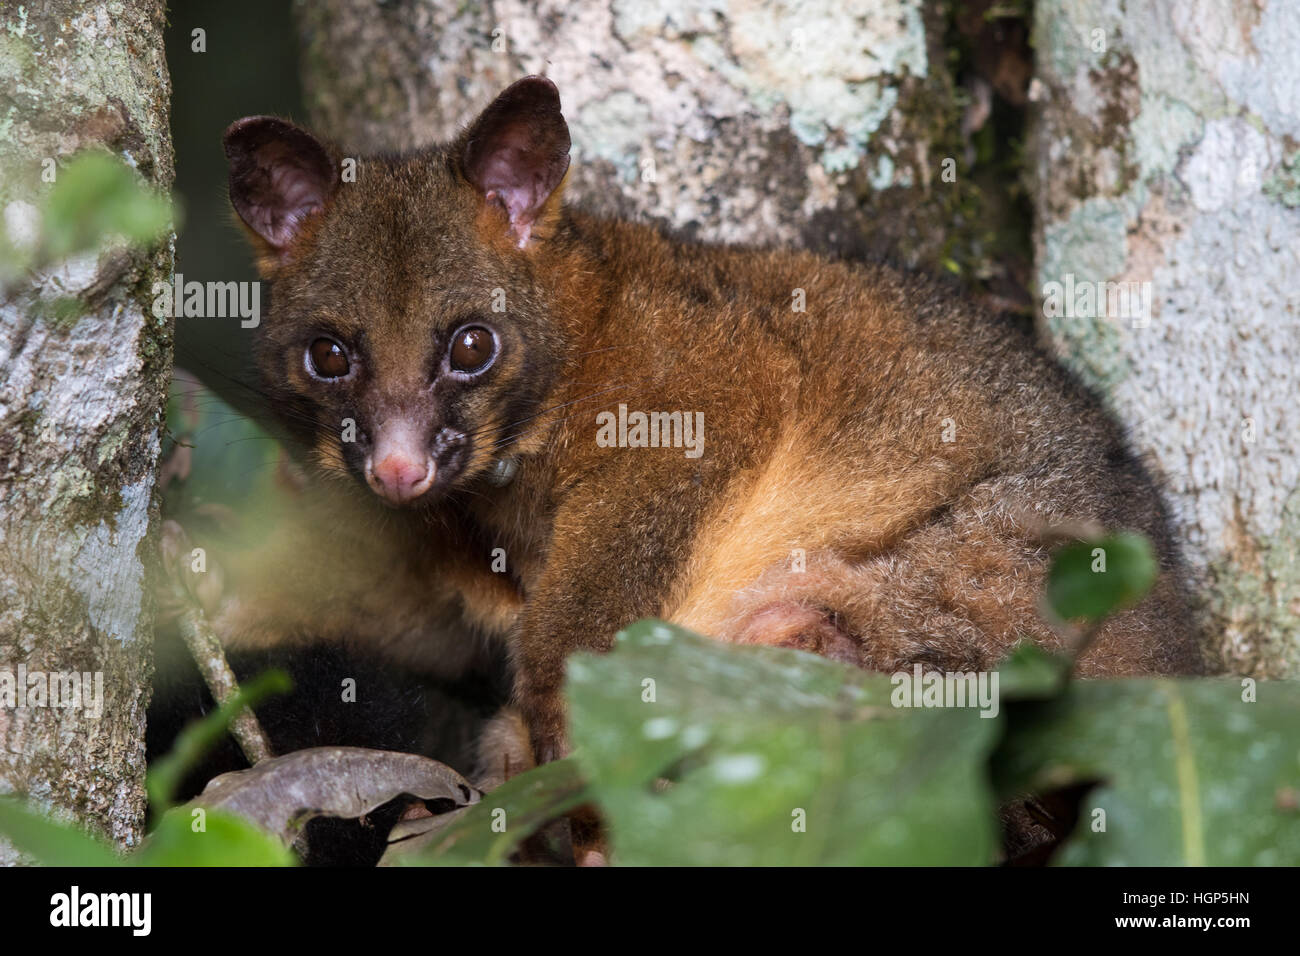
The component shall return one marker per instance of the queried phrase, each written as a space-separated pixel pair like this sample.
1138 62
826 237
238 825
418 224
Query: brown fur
823 433
824 430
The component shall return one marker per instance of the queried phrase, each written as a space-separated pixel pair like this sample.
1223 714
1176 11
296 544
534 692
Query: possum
762 445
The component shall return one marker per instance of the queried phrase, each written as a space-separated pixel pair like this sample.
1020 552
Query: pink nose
400 479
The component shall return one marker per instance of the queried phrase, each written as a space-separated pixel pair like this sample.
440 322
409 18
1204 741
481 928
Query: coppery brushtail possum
764 446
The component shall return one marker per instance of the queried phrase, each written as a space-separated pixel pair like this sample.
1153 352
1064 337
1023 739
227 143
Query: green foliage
1091 579
95 199
1189 772
488 832
775 758
191 837
50 842
232 459
747 756
739 739
697 752
221 839
95 196
1029 673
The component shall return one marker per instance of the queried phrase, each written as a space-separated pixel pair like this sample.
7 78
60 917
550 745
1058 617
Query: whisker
607 348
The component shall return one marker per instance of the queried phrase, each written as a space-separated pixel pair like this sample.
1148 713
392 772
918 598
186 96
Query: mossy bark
81 404
1165 153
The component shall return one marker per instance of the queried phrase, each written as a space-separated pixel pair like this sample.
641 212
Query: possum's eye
472 350
327 359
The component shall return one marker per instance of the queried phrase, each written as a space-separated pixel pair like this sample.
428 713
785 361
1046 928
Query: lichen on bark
83 370
1158 132
818 123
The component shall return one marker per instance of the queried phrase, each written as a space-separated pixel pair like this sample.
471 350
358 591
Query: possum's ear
517 153
280 177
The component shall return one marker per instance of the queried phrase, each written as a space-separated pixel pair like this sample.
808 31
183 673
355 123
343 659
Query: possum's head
414 328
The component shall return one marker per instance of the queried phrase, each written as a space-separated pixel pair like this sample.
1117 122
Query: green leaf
761 742
49 842
96 196
1091 579
488 832
1031 672
224 840
1189 772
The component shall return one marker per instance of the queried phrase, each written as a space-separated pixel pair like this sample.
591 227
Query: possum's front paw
544 714
503 750
189 575
549 744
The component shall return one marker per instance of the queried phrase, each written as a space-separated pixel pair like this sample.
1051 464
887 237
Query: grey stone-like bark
83 372
817 122
1165 153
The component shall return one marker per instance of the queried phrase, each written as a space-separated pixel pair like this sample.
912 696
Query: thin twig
211 660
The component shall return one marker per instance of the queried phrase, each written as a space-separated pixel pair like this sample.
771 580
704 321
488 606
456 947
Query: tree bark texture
1165 152
817 122
83 372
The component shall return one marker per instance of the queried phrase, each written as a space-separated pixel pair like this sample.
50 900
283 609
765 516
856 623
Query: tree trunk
1164 153
84 367
813 122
